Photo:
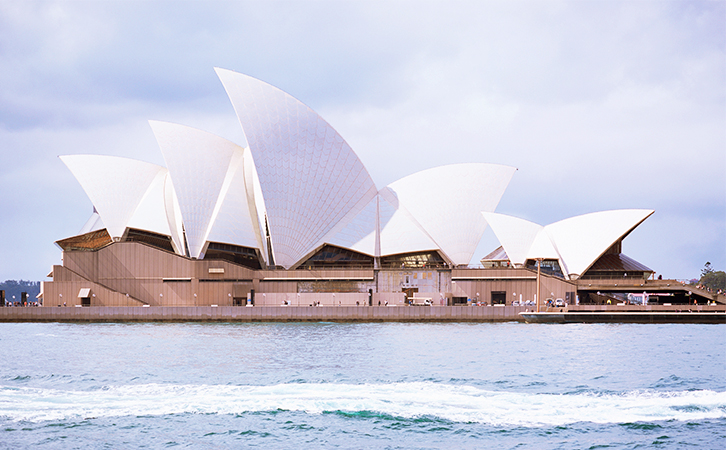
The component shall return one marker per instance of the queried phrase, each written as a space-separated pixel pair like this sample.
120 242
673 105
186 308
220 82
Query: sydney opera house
293 217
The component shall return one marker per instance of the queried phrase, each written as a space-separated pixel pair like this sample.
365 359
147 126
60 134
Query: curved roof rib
208 178
94 223
173 215
116 186
234 223
447 200
309 175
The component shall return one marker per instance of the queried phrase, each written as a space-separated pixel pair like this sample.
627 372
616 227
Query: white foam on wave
408 400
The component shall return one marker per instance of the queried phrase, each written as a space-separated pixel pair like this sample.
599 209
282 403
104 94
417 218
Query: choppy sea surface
382 385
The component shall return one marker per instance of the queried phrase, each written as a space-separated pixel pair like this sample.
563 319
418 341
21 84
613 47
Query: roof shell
150 213
447 200
116 186
208 178
577 242
399 230
581 240
309 175
234 221
358 230
516 235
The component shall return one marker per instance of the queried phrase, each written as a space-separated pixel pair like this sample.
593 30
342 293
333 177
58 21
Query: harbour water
362 385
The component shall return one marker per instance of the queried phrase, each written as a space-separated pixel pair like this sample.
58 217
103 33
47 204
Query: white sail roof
151 214
358 229
234 219
309 175
447 200
399 230
516 235
581 240
576 242
208 178
116 186
299 181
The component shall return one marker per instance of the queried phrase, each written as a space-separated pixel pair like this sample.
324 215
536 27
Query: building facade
292 216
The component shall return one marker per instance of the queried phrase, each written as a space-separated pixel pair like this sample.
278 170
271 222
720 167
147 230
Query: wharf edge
695 317
347 314
263 314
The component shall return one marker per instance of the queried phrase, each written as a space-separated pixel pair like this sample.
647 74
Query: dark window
243 256
499 298
147 237
330 256
549 267
570 298
413 260
458 301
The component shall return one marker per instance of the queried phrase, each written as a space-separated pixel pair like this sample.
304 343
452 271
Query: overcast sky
600 105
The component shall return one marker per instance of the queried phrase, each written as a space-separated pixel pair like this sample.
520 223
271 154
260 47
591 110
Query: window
330 256
244 256
413 260
549 267
499 298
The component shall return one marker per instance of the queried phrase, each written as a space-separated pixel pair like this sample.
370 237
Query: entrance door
499 298
409 293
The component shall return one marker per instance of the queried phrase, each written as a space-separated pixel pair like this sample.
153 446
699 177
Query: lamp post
539 271
453 293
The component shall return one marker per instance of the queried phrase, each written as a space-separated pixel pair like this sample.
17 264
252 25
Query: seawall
626 317
264 314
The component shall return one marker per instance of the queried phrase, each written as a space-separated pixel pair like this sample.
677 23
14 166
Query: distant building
294 218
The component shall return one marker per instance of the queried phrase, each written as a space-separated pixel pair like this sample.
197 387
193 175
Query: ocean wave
415 400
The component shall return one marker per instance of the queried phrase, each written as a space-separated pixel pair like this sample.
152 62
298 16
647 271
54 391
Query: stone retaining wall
264 314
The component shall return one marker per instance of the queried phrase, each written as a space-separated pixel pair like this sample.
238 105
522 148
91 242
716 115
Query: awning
84 292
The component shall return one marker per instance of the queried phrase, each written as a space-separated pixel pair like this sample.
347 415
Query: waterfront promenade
573 314
264 314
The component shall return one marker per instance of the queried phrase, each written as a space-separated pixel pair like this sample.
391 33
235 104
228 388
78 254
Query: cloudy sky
600 105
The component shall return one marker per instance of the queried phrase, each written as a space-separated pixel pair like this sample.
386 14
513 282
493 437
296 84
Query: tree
712 279
15 287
